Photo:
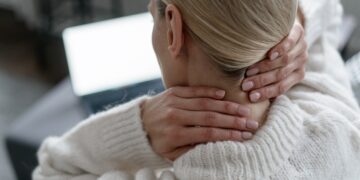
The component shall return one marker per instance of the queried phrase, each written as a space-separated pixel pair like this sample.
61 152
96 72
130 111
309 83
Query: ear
175 33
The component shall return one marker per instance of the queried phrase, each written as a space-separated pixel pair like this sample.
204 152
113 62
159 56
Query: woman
211 43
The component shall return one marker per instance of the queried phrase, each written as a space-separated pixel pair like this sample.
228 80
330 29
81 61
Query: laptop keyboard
102 101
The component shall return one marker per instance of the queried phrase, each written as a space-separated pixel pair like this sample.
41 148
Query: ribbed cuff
125 141
315 19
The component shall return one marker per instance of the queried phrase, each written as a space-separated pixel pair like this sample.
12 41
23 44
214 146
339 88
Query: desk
54 114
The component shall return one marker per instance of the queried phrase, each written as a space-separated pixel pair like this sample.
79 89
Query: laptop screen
110 54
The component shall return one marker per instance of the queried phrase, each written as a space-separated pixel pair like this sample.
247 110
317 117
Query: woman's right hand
181 117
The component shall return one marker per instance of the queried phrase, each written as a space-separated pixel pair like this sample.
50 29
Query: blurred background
32 57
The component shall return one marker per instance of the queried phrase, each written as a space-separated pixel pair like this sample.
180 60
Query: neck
258 110
234 93
202 73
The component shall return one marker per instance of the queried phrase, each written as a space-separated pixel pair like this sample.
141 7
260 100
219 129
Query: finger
196 92
268 65
215 120
270 77
299 49
200 135
263 66
207 104
296 33
178 152
277 89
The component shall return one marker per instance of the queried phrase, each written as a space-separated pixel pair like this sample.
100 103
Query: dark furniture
52 115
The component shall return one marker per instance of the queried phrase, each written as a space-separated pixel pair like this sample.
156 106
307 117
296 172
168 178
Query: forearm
113 140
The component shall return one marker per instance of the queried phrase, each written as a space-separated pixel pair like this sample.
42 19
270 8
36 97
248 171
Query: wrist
143 107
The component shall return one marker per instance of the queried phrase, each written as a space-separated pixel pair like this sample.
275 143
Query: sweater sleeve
323 19
321 16
326 75
110 141
325 70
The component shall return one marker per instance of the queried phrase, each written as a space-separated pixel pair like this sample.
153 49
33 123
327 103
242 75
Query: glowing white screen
110 54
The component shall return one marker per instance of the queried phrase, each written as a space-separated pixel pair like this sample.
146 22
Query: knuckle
281 74
209 92
210 133
170 101
267 93
256 80
168 97
266 65
282 88
210 117
286 59
263 80
234 135
170 92
203 103
230 107
203 92
170 113
239 123
292 41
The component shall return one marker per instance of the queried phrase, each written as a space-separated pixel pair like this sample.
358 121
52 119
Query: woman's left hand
285 68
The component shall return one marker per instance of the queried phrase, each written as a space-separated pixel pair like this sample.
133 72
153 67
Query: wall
135 6
352 7
6 3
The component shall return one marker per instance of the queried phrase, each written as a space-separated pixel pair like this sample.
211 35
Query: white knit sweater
312 132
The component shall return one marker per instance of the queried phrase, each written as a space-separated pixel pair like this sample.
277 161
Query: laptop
112 62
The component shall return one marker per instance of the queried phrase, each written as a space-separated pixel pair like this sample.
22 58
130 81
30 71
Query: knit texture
312 132
104 143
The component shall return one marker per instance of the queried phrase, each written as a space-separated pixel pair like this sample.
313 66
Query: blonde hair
236 33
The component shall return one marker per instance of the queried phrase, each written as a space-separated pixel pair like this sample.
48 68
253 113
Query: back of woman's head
235 33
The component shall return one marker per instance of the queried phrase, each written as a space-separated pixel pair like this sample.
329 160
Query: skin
285 67
200 104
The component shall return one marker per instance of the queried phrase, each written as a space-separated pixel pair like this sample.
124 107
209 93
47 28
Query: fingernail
274 56
244 111
252 72
220 93
252 125
255 97
247 85
247 135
